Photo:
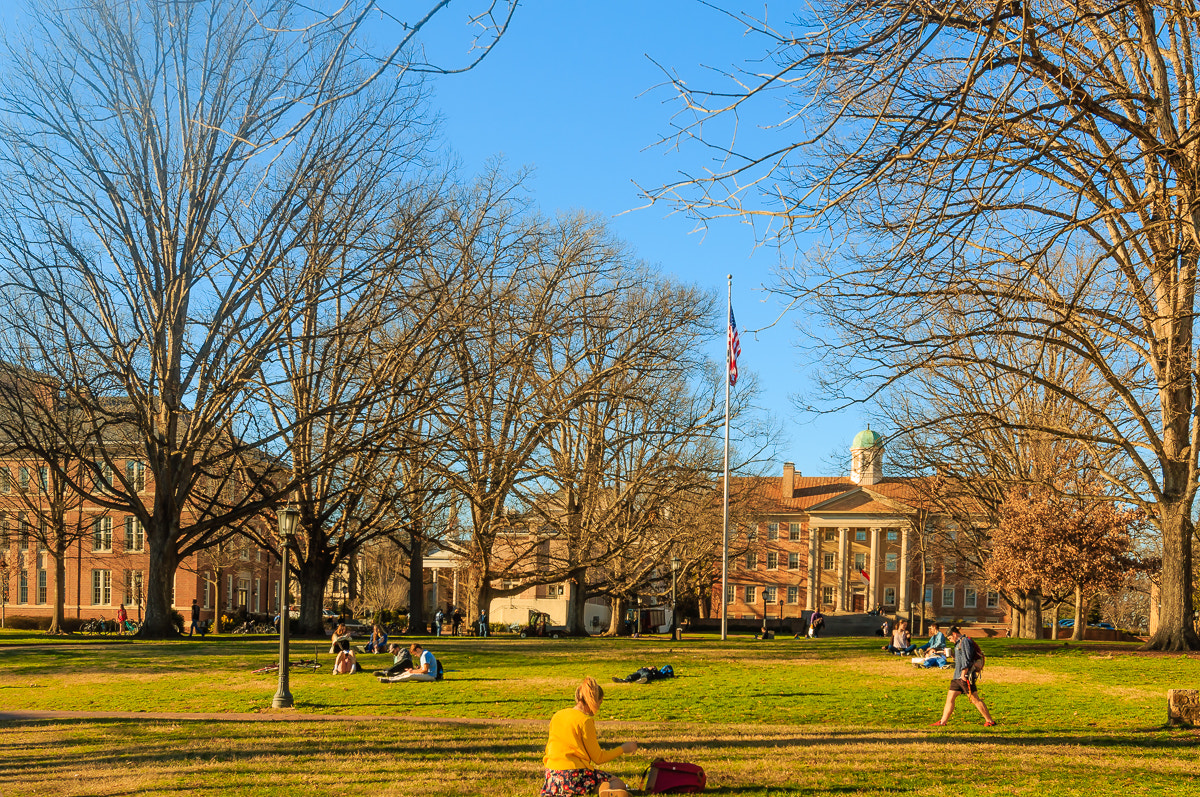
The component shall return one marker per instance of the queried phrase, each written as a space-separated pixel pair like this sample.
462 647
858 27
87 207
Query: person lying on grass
426 669
573 751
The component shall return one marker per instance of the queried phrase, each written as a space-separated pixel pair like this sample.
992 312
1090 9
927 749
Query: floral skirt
561 782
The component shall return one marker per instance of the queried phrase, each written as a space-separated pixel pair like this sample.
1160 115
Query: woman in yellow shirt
573 749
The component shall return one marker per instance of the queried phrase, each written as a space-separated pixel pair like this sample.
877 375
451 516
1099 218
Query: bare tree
158 160
964 146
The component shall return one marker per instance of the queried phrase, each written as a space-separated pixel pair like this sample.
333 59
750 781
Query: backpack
673 777
977 658
440 670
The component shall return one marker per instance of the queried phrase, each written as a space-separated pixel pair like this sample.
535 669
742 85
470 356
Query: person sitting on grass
426 669
401 662
341 639
379 640
963 682
346 663
901 643
573 751
937 640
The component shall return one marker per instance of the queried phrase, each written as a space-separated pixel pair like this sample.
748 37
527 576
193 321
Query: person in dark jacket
963 682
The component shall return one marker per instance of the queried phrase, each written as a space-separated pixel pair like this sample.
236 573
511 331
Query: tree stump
1183 707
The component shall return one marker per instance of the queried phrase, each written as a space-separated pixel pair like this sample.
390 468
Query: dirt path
272 715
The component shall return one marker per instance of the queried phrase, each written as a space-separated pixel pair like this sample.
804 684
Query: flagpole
725 506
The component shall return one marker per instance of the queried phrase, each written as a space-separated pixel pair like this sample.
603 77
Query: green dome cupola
866 458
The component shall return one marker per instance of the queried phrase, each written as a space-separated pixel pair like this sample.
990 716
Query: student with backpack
427 669
968 664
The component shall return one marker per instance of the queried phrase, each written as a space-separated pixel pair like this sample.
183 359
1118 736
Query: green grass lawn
825 717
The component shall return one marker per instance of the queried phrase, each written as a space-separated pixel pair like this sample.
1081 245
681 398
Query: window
969 597
793 595
244 554
893 535
42 536
993 599
830 535
44 479
948 596
5 480
208 592
258 594
102 535
751 595
949 564
135 474
929 594
23 588
41 588
751 560
860 535
860 561
928 563
889 596
794 532
772 560
22 532
891 560
258 554
23 479
793 561
828 561
768 594
729 594
101 587
772 531
229 594
4 541
827 596
135 535
752 533
134 592
274 598
105 477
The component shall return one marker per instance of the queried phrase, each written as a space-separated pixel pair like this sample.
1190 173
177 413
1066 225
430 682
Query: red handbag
673 777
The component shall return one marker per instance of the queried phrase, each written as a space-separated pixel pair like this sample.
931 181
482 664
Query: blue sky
570 92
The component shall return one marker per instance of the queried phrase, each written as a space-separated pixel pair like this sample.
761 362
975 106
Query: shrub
23 623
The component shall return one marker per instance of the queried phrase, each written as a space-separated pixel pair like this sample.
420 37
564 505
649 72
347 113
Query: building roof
762 494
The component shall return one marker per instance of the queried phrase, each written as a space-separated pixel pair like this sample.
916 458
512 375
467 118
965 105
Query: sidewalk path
274 715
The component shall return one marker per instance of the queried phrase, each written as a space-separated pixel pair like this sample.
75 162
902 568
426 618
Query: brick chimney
788 488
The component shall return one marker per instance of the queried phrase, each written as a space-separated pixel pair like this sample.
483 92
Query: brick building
107 558
846 545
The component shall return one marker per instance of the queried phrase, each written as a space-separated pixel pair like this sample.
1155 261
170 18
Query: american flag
735 348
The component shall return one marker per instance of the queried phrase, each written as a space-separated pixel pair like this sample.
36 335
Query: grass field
825 717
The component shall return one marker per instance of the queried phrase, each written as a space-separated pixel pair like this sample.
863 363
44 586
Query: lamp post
287 525
674 580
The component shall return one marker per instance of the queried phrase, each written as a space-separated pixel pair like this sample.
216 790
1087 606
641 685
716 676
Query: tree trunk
1175 630
60 592
159 578
1031 622
314 575
416 584
576 621
614 622
1080 621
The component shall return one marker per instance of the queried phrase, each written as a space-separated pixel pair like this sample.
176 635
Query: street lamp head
288 517
675 562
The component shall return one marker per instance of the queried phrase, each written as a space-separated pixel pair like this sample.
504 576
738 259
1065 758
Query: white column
902 601
843 534
814 567
873 572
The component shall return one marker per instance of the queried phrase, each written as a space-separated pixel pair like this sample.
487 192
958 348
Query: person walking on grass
964 679
195 617
573 751
122 618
